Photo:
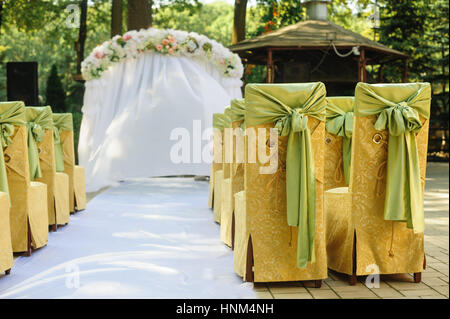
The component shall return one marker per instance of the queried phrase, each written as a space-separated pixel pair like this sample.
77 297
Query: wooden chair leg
54 227
417 277
317 283
7 271
28 252
232 231
249 264
352 278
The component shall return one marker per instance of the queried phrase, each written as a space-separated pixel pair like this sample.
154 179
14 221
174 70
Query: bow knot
6 131
37 131
399 119
296 120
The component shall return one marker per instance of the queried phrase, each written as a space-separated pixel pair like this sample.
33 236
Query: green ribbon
61 122
237 112
289 106
340 123
220 121
227 114
11 114
38 119
398 107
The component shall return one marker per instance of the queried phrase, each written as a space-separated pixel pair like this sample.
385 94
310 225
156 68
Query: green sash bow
289 106
38 119
227 114
398 107
61 122
340 123
238 111
11 114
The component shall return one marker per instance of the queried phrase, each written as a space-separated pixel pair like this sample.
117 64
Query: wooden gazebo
318 50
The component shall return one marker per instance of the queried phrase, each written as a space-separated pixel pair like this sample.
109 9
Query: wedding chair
219 122
376 224
226 211
237 114
284 202
6 253
338 141
28 212
65 160
41 152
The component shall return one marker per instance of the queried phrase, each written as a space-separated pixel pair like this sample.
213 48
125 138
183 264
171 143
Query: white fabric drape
130 112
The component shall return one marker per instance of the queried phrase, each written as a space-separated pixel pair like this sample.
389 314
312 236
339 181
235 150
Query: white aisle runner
146 238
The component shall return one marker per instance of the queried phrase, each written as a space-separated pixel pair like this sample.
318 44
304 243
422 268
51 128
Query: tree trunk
79 45
139 14
116 17
240 11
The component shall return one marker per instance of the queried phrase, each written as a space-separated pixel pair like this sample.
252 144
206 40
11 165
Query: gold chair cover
6 254
28 200
356 212
273 241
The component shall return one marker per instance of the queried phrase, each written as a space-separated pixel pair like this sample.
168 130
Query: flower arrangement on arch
162 41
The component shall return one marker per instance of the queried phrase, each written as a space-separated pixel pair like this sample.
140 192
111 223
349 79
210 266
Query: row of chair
347 193
40 185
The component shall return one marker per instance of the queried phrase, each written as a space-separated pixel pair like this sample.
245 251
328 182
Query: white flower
133 43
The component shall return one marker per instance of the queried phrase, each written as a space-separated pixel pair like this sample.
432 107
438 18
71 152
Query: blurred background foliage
33 30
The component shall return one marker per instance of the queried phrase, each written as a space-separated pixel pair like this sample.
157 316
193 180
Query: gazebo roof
313 34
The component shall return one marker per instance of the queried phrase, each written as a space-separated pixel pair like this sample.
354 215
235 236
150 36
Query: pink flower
159 47
99 55
172 40
223 62
167 46
127 37
170 51
175 47
165 41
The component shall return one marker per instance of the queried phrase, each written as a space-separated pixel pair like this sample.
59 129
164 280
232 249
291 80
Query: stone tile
386 292
442 289
422 292
263 295
293 296
323 294
281 290
353 295
408 285
434 281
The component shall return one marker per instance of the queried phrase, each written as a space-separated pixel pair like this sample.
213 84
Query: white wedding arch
147 92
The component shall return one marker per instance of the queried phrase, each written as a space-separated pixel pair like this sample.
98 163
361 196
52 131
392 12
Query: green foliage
214 20
55 96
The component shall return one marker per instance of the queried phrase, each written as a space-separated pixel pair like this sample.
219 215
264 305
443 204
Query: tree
55 96
240 13
116 17
80 44
139 14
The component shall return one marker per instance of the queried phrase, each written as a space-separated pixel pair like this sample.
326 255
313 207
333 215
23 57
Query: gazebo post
380 73
362 72
269 68
405 71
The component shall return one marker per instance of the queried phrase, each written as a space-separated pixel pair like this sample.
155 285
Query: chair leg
54 227
249 264
352 278
417 277
232 231
28 252
7 271
317 283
